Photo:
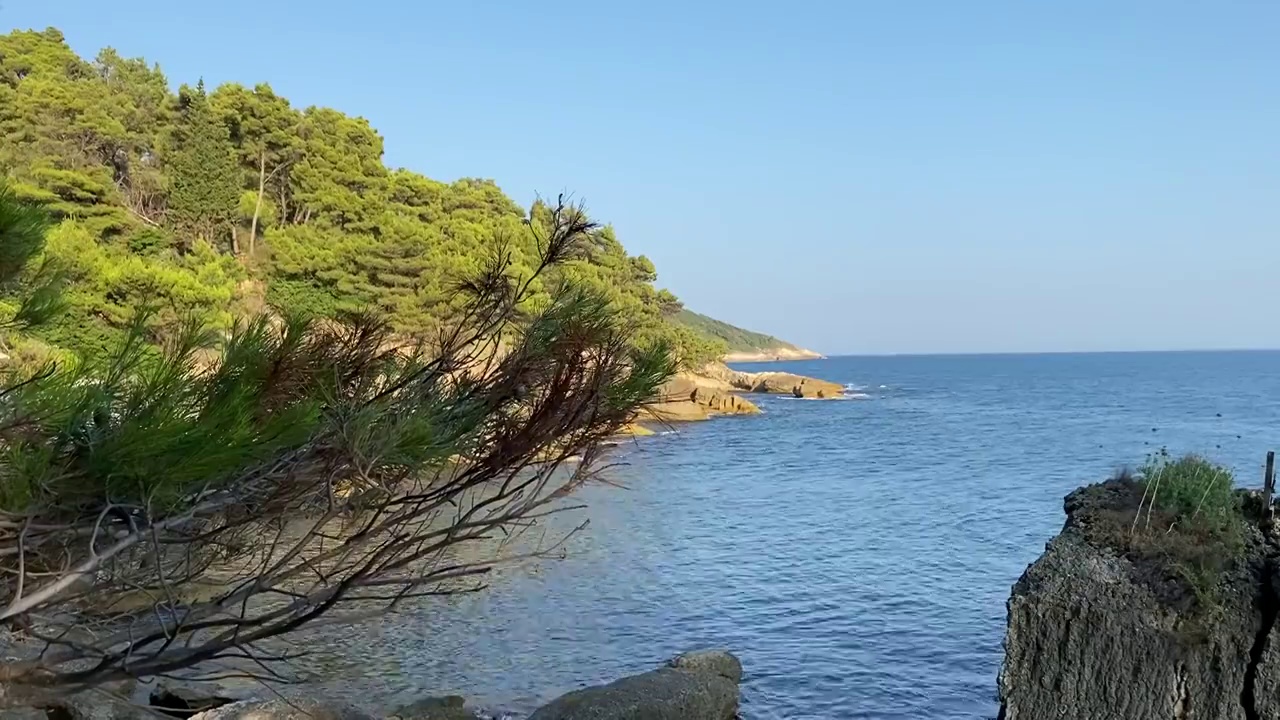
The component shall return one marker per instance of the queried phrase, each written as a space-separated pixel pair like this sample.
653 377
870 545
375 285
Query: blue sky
856 177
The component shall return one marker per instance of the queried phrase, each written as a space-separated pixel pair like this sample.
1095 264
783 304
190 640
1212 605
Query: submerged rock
449 707
1099 634
696 686
281 709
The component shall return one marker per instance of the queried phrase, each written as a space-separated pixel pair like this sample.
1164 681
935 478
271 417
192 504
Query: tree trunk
257 206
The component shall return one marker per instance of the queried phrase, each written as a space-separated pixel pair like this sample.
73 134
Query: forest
252 376
216 203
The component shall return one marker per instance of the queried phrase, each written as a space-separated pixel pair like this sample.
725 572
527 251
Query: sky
855 177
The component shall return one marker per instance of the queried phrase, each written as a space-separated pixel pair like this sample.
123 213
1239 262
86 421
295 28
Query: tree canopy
214 202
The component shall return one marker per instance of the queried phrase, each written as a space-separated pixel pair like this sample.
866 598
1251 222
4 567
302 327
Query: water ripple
857 555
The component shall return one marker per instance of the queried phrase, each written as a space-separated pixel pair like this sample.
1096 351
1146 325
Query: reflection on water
857 555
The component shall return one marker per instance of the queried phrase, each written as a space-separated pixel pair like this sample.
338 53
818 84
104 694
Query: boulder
714 662
698 686
449 707
282 709
189 697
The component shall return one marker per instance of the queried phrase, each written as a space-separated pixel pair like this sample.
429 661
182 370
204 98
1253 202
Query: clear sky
857 177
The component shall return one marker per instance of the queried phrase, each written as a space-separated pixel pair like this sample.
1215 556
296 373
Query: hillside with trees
216 202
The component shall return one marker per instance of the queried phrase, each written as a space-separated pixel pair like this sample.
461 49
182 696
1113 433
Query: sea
856 554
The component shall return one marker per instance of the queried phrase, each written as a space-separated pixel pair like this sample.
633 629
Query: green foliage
1180 523
30 291
735 339
156 190
108 285
1191 489
205 184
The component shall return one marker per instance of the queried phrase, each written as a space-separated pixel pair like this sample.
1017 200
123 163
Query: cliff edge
1129 616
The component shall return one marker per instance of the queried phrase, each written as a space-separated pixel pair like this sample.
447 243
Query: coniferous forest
216 202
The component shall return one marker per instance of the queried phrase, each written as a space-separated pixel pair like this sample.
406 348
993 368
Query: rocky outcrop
777 383
1098 634
686 398
696 686
712 391
774 354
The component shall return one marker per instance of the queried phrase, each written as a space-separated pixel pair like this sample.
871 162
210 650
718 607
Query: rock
686 398
280 709
777 383
449 707
715 662
724 403
1093 635
799 386
674 412
23 713
634 430
697 686
774 354
190 697
88 705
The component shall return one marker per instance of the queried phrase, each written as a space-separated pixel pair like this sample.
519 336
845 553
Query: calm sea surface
856 554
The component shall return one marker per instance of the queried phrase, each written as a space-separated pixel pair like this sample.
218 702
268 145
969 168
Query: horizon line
982 353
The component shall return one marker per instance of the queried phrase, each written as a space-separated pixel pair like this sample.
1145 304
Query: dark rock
184 699
84 706
715 662
23 713
697 686
280 709
1096 634
449 707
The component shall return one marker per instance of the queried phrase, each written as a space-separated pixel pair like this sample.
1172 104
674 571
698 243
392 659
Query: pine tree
205 182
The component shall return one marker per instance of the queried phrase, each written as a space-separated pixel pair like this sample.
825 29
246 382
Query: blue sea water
856 554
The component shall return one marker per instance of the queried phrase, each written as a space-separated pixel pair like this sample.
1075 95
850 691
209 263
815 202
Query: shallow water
856 554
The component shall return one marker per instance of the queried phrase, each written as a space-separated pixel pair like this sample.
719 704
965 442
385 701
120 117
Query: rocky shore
700 685
1099 633
714 389
776 354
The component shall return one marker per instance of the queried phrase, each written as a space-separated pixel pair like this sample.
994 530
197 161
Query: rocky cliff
1103 627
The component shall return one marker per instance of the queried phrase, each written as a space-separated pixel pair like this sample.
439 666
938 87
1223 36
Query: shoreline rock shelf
713 391
701 685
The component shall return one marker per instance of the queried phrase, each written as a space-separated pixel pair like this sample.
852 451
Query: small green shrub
1188 524
1191 488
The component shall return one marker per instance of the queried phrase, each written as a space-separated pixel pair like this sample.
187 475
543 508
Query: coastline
776 354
